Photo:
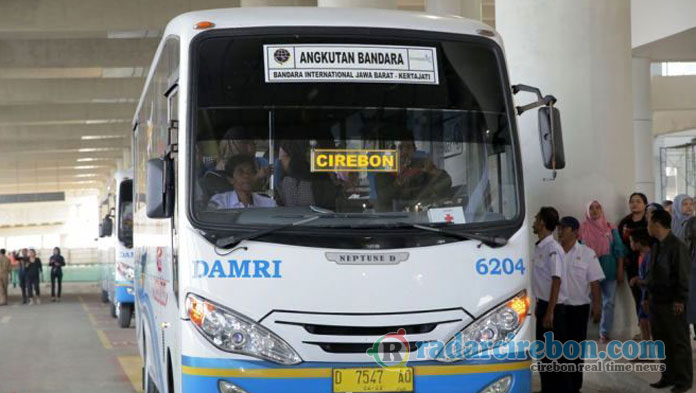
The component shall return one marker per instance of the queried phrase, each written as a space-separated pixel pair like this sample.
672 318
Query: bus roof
182 26
324 16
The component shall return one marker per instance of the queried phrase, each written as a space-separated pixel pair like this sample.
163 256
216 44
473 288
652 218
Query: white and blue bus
116 247
319 191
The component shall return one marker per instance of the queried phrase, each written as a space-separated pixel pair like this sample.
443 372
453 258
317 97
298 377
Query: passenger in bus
299 186
240 172
238 141
418 180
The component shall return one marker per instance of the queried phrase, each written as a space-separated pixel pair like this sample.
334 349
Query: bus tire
170 373
125 313
113 310
105 296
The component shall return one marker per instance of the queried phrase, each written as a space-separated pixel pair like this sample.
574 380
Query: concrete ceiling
71 72
677 47
673 98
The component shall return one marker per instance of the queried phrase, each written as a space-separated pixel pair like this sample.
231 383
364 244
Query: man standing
23 259
668 290
547 270
583 273
5 269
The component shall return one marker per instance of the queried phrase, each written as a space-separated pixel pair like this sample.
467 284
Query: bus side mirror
551 138
160 188
106 227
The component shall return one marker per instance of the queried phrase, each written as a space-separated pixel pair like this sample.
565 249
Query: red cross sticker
449 217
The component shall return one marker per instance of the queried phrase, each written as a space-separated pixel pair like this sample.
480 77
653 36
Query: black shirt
626 227
668 272
33 268
56 262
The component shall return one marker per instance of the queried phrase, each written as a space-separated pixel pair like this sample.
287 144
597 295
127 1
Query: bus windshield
379 147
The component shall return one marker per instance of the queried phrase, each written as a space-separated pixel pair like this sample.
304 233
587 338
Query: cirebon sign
350 63
346 160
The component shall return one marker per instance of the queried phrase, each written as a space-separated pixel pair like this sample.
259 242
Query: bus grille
347 337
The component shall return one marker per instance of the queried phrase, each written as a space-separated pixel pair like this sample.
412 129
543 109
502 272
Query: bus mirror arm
548 100
550 132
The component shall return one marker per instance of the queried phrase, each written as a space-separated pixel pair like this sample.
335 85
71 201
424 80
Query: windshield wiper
464 235
231 241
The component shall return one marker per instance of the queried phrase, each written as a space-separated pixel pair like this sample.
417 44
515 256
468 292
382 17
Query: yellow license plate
397 379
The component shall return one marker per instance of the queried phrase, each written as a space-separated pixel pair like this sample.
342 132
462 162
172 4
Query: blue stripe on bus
522 382
193 361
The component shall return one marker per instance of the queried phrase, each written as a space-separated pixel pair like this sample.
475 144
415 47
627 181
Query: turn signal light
203 25
196 310
520 305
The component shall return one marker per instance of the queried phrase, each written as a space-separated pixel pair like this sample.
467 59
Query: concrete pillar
642 127
467 8
579 51
387 4
277 3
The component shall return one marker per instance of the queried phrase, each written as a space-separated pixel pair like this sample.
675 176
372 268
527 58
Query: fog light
227 387
500 386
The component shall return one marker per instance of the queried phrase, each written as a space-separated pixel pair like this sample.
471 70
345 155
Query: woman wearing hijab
604 239
637 203
683 210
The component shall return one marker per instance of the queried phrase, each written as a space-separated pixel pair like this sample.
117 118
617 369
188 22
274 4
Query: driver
240 171
417 180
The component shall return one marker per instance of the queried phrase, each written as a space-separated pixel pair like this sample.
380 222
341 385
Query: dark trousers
23 284
32 284
576 330
56 277
632 271
551 382
673 330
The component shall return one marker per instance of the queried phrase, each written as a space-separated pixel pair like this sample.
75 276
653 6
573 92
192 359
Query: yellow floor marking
89 314
104 340
84 305
132 366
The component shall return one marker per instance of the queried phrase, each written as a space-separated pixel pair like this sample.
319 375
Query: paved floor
67 347
76 347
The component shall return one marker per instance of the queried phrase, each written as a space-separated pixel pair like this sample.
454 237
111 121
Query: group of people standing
651 251
26 269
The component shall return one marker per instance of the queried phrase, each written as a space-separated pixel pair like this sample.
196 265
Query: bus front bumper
205 374
124 293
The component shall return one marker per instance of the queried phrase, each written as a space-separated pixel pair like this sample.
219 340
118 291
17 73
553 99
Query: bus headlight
235 333
494 328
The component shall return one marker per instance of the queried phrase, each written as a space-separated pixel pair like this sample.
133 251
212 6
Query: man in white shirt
582 274
547 273
241 173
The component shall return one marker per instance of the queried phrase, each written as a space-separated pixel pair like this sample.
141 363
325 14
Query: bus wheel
114 311
125 313
105 296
